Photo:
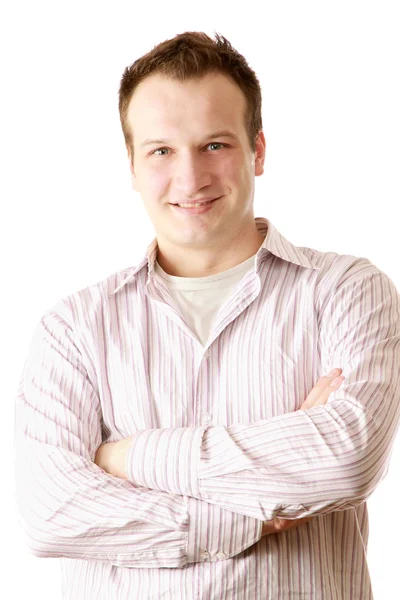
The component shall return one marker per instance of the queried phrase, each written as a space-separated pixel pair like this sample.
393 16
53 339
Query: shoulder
84 307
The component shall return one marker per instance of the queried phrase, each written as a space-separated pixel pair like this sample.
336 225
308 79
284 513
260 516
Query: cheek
155 183
232 169
244 174
236 176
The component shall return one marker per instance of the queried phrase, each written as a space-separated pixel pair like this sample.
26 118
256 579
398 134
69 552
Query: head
173 103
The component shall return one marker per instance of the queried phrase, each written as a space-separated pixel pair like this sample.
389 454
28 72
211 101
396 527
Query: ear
259 156
133 176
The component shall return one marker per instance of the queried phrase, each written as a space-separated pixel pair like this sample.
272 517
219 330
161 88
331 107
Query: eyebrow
212 135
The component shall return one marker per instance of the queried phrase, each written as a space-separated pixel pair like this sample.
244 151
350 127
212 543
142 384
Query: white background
329 72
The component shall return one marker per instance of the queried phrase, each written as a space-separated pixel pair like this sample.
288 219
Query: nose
192 173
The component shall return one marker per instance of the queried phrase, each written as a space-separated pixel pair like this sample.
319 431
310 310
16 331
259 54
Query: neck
188 262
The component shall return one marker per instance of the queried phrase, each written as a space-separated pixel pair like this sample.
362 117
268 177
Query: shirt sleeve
69 506
328 458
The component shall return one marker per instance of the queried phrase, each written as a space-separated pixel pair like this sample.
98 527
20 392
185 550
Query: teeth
198 204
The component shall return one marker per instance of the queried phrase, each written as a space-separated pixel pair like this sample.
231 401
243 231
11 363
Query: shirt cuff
217 534
166 459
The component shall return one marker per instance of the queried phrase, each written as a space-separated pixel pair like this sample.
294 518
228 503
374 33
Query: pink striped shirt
219 441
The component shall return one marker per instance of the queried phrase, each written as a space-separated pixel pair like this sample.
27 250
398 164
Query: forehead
159 101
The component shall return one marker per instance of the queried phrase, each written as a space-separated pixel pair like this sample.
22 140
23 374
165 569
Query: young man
168 441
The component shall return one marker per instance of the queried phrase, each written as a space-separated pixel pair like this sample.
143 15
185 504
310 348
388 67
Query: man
168 441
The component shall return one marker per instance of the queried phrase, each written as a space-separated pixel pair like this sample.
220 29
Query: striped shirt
219 443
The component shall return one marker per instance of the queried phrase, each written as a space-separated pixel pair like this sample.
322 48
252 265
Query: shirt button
205 419
221 555
205 554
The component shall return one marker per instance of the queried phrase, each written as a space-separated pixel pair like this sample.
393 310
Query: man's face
189 162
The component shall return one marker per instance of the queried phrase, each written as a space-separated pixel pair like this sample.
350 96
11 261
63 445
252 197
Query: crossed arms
298 464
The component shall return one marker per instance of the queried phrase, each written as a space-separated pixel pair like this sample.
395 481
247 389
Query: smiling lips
195 209
196 204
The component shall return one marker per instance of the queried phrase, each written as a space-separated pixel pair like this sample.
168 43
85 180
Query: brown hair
191 55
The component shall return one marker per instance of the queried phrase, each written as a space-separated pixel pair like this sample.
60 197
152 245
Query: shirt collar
274 242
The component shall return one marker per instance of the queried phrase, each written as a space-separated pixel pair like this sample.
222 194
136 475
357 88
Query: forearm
300 464
213 532
72 509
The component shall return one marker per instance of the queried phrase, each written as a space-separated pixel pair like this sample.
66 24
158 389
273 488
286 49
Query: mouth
196 210
199 205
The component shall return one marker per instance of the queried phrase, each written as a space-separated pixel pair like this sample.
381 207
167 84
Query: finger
288 523
278 525
275 525
320 392
324 396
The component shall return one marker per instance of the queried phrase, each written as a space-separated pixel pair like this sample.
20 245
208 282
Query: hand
103 456
111 457
318 395
276 525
